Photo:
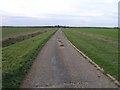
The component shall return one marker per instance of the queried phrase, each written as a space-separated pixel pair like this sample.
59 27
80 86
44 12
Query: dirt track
59 65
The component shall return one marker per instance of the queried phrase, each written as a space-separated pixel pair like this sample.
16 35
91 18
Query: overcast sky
59 12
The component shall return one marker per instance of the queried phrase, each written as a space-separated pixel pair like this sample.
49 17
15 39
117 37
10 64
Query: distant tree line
58 26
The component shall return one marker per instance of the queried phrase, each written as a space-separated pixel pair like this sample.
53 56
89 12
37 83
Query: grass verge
102 52
18 58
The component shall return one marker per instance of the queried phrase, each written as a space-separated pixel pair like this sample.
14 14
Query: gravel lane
59 65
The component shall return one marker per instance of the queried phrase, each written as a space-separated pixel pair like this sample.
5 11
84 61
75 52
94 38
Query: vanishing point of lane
59 65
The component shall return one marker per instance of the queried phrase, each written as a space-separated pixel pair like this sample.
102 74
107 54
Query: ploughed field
101 45
17 58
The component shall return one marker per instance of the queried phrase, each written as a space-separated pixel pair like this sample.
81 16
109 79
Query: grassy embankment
8 32
12 35
18 58
101 45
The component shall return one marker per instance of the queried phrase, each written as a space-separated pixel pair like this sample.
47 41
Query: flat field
12 35
18 58
17 31
101 45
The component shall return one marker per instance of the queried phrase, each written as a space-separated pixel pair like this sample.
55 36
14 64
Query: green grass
18 58
15 31
106 32
102 52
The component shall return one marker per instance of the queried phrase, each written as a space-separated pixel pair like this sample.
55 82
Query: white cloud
32 8
74 11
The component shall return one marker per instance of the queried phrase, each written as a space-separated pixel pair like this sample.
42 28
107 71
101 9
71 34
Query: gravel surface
59 65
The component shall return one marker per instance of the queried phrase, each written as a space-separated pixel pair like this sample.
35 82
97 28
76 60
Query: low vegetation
8 32
18 58
18 38
101 45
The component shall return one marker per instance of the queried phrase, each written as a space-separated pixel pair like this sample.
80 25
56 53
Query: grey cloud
78 15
